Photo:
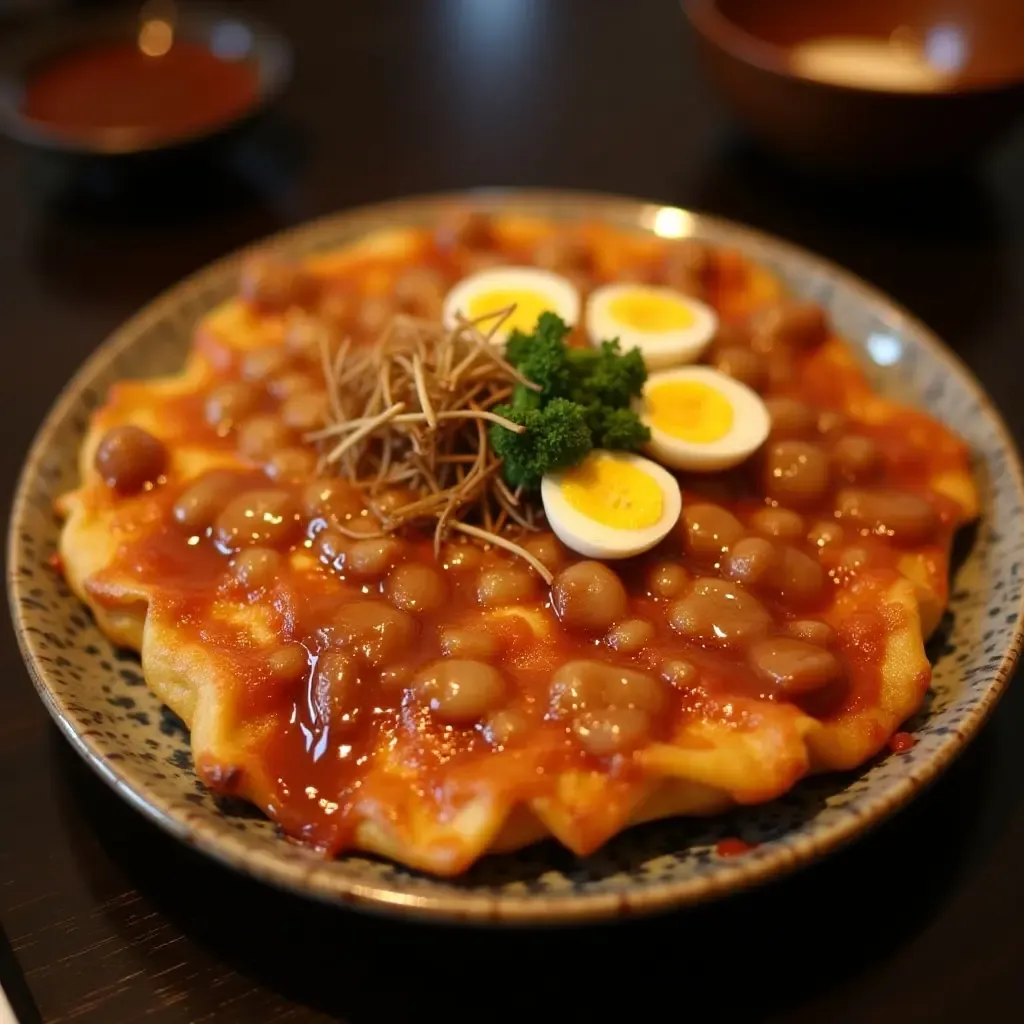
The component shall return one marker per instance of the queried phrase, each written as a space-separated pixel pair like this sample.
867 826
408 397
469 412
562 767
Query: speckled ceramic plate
97 695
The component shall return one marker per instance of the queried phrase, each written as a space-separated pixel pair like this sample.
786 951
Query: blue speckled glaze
98 697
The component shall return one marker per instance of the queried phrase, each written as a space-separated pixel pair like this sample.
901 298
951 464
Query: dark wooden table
108 920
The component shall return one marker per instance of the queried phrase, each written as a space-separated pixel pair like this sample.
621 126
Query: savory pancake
395 653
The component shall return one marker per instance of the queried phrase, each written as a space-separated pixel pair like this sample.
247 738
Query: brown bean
292 383
461 557
275 284
630 636
548 550
128 458
375 629
585 684
305 333
332 500
459 691
268 518
259 437
564 254
291 464
257 567
679 672
386 503
689 263
791 418
337 310
794 325
505 727
824 533
709 531
831 422
783 523
799 578
505 584
200 503
588 596
742 364
305 411
420 292
729 336
752 561
811 630
288 663
906 517
467 230
793 667
373 556
611 731
796 473
337 686
375 313
332 545
666 580
260 364
416 588
719 613
856 458
463 642
230 402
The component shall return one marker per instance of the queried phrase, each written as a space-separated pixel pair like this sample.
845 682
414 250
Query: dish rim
471 906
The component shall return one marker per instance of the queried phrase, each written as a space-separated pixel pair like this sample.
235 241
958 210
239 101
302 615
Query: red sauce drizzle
56 563
733 847
902 742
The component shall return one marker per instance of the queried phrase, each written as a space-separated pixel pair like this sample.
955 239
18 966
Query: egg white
750 427
559 294
578 532
660 349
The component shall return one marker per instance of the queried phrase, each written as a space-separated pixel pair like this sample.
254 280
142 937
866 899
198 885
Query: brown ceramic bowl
779 67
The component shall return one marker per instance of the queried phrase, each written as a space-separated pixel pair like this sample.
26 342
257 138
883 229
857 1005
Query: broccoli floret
607 376
543 357
617 429
556 437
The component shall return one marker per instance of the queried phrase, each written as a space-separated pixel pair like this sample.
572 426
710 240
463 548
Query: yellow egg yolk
651 312
613 493
690 410
529 306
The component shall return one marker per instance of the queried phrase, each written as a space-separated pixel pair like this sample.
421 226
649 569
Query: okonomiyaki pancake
389 623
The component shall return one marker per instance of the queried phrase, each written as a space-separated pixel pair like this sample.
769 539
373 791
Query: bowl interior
975 42
97 695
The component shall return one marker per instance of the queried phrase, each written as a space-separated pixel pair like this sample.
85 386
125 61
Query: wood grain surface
105 919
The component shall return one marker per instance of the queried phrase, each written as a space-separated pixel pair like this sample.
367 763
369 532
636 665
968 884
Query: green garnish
583 402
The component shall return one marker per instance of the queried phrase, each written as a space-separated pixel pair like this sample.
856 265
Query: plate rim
474 907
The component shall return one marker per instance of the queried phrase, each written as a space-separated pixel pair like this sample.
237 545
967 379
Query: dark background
107 919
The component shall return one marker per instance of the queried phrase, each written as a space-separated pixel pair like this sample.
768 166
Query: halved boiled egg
702 420
531 290
668 327
611 505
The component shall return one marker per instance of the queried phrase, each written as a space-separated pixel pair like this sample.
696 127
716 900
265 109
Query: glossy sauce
116 87
318 771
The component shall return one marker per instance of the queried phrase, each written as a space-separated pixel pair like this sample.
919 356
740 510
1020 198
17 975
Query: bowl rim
475 907
709 21
271 56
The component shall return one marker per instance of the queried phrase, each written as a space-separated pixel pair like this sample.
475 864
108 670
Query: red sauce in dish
116 87
733 847
902 742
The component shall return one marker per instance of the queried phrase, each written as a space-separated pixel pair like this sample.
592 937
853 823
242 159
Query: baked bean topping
906 518
305 411
199 504
261 436
799 578
796 473
331 499
420 292
268 517
257 567
372 556
508 584
288 663
611 731
128 458
792 666
337 310
856 458
679 672
719 613
293 383
230 402
795 325
303 333
730 336
385 503
824 533
791 418
260 364
460 557
464 642
783 523
378 631
375 313
630 636
588 596
337 684
831 422
548 550
666 580
593 685
331 544
753 561
709 531
564 254
688 265
291 464
742 364
416 588
811 630
274 284
459 691
467 230
505 727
